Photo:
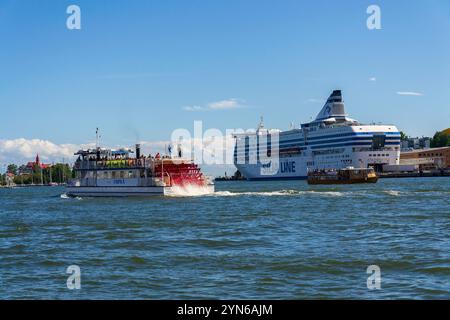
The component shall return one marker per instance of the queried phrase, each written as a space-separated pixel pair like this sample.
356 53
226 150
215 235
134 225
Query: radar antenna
96 138
261 123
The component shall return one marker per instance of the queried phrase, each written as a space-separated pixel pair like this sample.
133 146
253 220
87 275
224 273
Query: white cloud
23 150
217 105
373 79
409 93
224 104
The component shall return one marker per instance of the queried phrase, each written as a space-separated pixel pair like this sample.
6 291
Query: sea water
248 240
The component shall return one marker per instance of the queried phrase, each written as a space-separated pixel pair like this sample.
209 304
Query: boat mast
60 171
63 174
96 139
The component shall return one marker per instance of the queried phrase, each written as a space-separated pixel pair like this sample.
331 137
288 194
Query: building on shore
415 143
431 159
427 159
9 179
422 160
29 167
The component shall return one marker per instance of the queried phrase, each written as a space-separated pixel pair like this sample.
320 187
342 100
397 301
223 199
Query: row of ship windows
120 174
365 149
116 174
321 163
329 151
430 154
111 174
379 155
337 157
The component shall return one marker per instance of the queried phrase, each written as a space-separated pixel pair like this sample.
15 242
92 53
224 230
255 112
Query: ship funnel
138 151
333 108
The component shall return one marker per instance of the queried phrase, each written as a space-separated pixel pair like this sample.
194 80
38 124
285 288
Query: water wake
394 193
65 196
278 193
190 191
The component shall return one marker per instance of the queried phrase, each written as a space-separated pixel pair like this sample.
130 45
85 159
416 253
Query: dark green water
252 240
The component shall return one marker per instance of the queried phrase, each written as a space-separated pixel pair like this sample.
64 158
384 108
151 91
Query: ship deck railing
126 164
111 165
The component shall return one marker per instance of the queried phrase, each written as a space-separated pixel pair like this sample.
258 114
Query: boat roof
113 152
121 152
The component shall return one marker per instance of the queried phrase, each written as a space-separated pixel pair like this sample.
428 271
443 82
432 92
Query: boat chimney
138 150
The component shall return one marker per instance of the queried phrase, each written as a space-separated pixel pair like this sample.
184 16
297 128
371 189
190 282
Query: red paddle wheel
180 173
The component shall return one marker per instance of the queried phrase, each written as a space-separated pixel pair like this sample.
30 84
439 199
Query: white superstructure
331 141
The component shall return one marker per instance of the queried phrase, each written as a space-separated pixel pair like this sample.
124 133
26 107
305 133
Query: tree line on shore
57 173
441 139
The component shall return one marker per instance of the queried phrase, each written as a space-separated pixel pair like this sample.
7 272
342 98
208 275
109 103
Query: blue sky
136 68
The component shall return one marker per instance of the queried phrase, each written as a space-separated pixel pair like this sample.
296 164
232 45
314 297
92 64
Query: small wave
268 193
395 193
277 193
65 196
329 193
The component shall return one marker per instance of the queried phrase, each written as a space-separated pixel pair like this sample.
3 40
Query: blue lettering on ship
121 181
287 167
267 165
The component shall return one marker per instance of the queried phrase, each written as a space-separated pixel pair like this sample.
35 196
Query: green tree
403 136
22 179
12 168
440 139
58 173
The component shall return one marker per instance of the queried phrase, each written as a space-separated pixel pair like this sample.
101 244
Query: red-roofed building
28 168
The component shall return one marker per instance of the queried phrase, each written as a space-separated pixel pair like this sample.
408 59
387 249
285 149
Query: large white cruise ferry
331 141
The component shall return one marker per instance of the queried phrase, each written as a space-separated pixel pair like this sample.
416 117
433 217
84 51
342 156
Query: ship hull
129 191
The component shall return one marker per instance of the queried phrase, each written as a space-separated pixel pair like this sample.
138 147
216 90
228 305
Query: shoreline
414 175
384 175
